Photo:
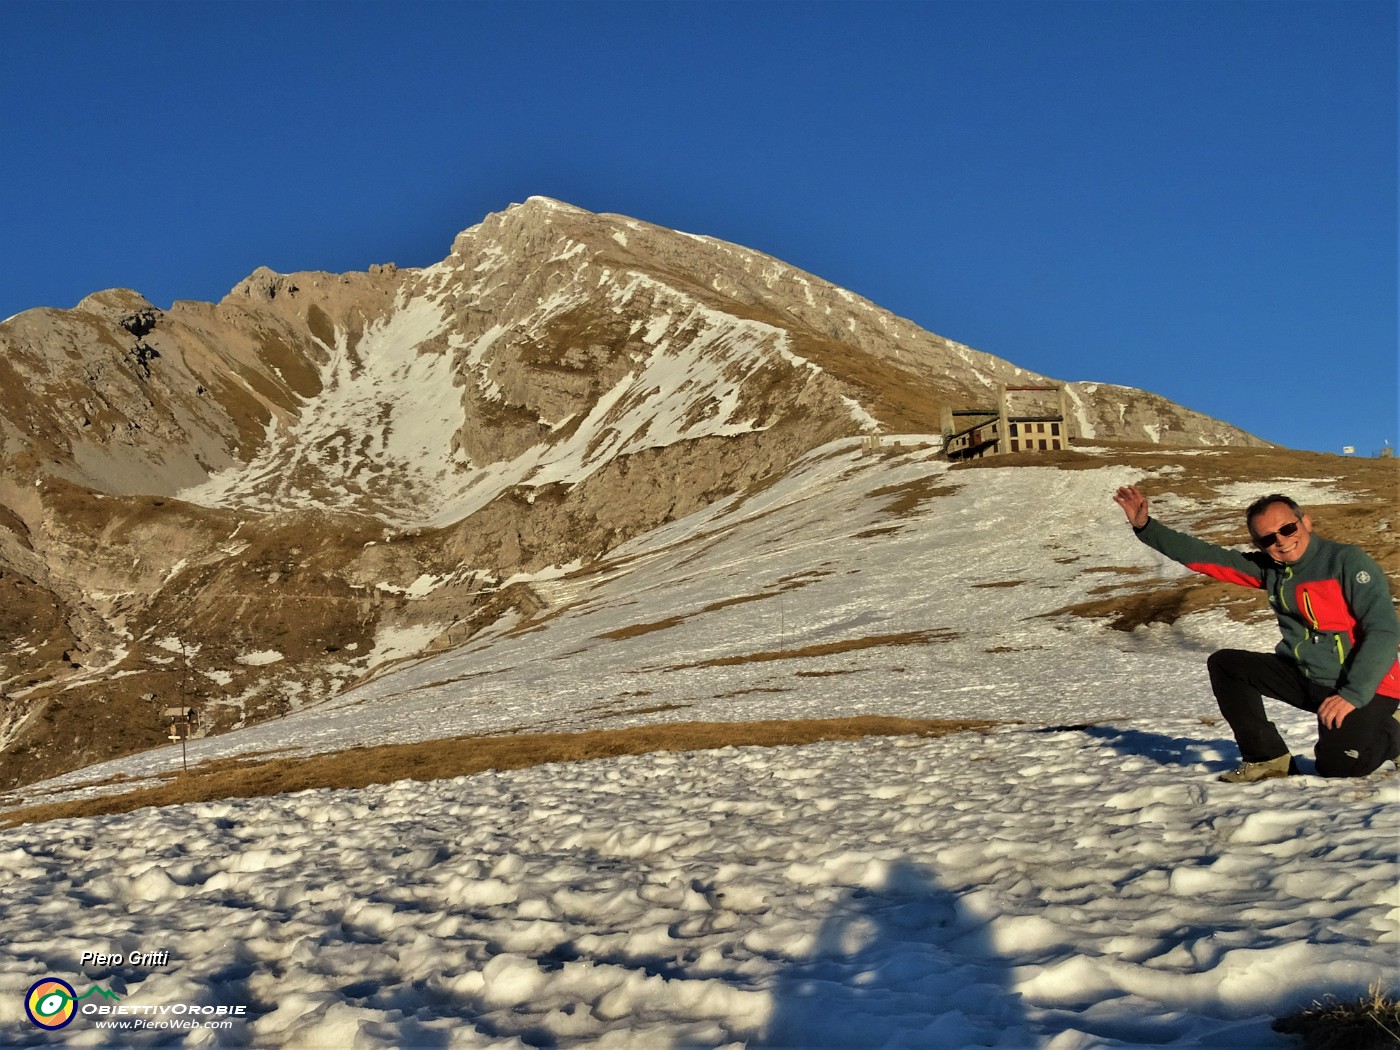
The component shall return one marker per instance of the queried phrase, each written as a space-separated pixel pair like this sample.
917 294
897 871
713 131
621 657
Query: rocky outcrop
250 505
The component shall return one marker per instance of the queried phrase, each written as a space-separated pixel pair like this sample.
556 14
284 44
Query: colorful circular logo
50 1003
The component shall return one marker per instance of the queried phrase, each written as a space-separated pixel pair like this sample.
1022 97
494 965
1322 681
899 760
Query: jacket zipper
1307 627
1315 629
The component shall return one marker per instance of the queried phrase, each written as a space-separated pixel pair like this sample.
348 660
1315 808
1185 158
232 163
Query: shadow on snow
1160 748
904 965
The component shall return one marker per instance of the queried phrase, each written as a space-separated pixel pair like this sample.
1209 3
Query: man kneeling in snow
1337 657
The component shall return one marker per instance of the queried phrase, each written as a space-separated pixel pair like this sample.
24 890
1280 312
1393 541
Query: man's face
1266 525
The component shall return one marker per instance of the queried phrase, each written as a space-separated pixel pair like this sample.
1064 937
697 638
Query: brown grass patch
604 713
1366 517
827 648
1169 603
1371 1022
463 756
742 599
1198 471
1063 459
636 630
907 498
870 534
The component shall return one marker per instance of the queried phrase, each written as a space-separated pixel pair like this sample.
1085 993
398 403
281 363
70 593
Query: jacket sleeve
1220 562
1377 632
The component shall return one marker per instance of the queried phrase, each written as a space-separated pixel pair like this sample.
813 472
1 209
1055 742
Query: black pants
1366 738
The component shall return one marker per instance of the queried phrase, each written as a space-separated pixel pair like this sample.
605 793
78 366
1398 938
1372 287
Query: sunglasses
1269 539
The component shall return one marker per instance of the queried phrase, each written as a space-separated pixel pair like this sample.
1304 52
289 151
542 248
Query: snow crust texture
1049 887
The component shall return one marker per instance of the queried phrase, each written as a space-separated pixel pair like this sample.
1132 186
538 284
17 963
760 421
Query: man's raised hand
1134 505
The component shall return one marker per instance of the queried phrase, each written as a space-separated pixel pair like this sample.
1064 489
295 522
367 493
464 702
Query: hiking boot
1249 772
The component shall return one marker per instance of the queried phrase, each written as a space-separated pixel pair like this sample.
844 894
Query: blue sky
1195 198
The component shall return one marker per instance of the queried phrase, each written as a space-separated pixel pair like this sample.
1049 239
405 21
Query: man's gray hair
1263 503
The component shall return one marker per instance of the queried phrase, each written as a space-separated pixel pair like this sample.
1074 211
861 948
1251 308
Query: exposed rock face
250 505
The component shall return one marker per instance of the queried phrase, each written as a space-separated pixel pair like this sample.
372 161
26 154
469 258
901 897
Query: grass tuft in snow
1369 1023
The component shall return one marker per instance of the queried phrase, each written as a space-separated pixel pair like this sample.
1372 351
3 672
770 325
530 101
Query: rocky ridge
250 505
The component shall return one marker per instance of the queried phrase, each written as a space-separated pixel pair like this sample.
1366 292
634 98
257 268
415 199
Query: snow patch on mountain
1083 424
382 430
381 427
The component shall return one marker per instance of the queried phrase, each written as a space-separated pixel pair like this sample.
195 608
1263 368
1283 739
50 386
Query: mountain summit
256 503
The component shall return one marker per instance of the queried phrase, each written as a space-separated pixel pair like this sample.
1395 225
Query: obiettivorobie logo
52 1003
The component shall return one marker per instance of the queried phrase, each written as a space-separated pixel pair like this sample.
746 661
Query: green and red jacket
1333 606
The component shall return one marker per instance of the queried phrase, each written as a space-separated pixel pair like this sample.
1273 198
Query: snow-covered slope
886 583
1073 878
858 582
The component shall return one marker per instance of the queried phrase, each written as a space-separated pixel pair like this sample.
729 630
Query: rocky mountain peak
115 304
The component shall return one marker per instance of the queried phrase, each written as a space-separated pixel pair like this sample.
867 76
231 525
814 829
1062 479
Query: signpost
180 723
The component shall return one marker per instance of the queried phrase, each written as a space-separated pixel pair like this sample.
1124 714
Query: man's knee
1231 660
1338 769
1232 677
1227 663
1367 738
1348 759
